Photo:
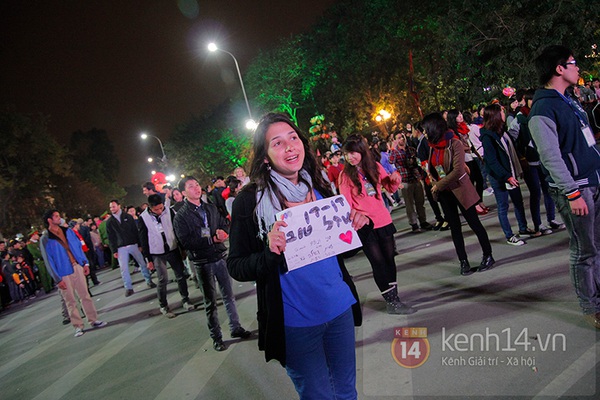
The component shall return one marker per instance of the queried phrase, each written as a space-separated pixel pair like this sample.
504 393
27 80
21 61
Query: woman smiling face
285 150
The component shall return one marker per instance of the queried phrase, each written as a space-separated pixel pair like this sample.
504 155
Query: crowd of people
543 139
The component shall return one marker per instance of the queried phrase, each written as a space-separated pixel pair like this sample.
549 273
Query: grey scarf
267 204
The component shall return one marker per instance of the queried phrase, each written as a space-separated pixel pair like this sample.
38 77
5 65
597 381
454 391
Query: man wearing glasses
571 159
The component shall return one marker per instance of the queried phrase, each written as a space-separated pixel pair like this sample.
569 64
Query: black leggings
476 177
451 205
378 246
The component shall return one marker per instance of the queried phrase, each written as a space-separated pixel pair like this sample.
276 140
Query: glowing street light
144 136
250 124
383 116
150 159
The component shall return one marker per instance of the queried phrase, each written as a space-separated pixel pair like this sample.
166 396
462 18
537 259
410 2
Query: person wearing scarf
504 168
454 190
457 124
306 316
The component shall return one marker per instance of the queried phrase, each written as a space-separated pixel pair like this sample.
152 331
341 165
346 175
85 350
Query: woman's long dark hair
434 127
451 119
358 144
260 171
492 119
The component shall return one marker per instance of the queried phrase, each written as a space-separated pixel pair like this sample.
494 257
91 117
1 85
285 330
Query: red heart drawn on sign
346 237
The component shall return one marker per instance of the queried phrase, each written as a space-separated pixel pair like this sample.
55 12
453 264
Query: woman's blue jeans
321 359
502 194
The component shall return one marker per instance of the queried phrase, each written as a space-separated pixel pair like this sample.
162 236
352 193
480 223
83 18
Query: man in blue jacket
68 266
571 159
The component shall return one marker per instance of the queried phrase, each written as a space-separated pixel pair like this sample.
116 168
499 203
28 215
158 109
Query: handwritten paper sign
317 230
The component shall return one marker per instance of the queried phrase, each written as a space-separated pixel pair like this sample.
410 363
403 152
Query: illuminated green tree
355 59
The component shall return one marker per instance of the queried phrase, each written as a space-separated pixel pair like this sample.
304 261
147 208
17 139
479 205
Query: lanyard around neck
576 109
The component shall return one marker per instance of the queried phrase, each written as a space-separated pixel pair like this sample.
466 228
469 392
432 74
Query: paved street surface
512 332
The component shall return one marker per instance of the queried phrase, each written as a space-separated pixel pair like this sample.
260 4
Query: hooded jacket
568 161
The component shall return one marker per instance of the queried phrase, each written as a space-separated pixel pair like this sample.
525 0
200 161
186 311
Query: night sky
128 66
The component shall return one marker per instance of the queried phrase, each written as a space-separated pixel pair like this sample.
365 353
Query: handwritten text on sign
317 230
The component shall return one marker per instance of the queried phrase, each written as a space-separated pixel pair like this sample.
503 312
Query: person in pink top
360 182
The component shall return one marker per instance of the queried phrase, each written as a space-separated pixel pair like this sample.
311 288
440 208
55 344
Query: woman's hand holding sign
277 238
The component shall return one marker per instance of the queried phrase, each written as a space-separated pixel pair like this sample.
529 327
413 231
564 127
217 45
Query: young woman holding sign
360 182
306 316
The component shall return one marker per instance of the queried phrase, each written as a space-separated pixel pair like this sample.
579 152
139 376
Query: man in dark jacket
571 160
201 230
124 241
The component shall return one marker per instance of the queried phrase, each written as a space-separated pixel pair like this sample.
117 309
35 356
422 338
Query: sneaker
66 321
240 332
128 292
78 332
135 270
554 224
187 306
151 284
98 324
415 228
530 232
445 226
515 241
545 230
165 311
438 225
218 345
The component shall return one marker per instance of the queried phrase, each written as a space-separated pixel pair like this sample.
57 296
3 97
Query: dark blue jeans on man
537 185
207 273
584 246
176 263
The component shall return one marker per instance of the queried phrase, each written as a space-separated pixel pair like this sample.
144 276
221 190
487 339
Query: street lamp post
383 116
250 124
162 149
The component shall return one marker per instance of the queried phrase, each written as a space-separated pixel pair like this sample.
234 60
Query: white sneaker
78 332
165 311
545 230
187 306
515 241
554 224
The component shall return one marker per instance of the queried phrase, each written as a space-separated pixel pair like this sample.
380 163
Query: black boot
465 268
393 304
487 262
